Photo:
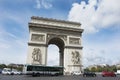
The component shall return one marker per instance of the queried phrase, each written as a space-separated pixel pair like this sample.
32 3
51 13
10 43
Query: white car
16 71
76 73
7 71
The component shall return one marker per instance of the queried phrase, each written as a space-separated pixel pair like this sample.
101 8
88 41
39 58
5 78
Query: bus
39 70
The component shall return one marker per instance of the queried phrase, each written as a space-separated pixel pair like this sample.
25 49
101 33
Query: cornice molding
37 44
54 22
31 25
74 47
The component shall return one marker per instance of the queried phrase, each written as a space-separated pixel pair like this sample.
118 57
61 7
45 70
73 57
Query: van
118 72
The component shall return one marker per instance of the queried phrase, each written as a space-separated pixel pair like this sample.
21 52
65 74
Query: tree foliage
104 68
2 66
12 66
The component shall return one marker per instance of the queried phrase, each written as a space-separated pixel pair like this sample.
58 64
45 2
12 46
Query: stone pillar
61 58
36 54
72 60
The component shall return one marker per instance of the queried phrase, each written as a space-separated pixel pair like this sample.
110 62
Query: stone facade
64 34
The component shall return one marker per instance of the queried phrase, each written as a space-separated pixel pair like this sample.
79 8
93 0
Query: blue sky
100 20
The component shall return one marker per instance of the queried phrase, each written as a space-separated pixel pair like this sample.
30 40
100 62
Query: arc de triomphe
64 34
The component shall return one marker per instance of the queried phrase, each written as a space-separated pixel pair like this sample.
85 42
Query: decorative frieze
38 37
75 41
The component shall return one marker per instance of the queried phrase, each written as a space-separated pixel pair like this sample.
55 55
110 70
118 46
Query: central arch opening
55 54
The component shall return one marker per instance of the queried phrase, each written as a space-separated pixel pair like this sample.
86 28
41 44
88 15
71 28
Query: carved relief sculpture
38 37
74 41
75 57
36 55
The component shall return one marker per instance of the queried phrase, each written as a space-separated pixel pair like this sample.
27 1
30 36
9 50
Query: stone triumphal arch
64 34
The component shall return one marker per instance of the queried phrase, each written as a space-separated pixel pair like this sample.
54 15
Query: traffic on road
72 77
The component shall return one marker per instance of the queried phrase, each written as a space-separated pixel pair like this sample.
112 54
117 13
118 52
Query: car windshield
9 70
89 72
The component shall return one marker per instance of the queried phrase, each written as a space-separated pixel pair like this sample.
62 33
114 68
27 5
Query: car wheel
34 74
114 75
94 75
84 75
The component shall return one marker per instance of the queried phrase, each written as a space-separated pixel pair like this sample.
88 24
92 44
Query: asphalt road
24 77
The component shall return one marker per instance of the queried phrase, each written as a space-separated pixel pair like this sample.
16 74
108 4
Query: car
118 72
108 73
76 73
0 71
7 71
16 72
92 74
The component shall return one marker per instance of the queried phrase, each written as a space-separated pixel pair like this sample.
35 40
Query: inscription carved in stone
74 40
36 56
75 57
38 37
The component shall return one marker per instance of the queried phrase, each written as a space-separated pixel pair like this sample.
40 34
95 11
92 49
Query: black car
92 74
0 71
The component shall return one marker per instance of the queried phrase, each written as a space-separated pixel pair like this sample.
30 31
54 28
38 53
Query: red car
106 73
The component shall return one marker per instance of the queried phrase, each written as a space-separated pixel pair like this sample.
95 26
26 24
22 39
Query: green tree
86 70
99 69
93 69
20 68
2 66
114 68
118 68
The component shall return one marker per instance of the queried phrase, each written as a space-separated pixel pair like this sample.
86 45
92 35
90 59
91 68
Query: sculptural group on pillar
75 57
36 55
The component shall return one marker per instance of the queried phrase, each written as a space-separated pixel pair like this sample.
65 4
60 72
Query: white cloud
96 14
94 56
106 52
13 48
4 46
38 4
43 4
